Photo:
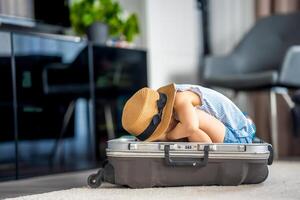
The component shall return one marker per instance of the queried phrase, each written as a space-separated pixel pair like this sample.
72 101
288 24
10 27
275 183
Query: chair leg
288 100
92 130
66 120
273 122
109 121
274 113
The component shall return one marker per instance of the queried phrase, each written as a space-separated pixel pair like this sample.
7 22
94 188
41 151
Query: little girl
189 112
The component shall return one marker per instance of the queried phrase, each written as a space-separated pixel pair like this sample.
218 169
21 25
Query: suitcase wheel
95 180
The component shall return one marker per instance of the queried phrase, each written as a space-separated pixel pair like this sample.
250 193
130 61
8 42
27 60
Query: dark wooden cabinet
69 99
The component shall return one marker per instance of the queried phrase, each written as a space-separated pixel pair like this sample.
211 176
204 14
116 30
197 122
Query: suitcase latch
241 148
132 146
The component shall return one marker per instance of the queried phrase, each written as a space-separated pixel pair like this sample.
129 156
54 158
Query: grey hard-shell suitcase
151 164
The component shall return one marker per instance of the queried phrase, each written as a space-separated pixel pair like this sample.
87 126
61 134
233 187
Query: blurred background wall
173 41
23 8
229 20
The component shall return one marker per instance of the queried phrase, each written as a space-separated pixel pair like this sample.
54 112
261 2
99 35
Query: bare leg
196 135
199 136
210 130
211 126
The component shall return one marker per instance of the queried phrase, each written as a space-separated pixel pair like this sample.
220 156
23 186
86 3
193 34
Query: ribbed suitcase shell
150 164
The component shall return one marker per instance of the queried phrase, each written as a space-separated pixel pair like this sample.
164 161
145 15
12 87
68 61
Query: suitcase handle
192 163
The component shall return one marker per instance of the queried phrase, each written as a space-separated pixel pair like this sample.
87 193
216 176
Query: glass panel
7 147
53 94
118 73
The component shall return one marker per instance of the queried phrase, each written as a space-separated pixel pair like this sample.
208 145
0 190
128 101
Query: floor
283 183
44 184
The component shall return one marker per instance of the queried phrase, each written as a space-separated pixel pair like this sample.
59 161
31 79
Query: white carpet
283 183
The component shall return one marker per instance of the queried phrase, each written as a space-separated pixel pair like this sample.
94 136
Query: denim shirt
222 108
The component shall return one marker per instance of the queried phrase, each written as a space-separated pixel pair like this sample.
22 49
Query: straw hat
148 112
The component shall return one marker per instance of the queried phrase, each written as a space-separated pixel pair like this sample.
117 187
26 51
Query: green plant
84 13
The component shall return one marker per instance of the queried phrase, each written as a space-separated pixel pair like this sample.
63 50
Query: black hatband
156 119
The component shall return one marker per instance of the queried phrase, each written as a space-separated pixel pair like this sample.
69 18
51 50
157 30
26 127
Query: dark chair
266 58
